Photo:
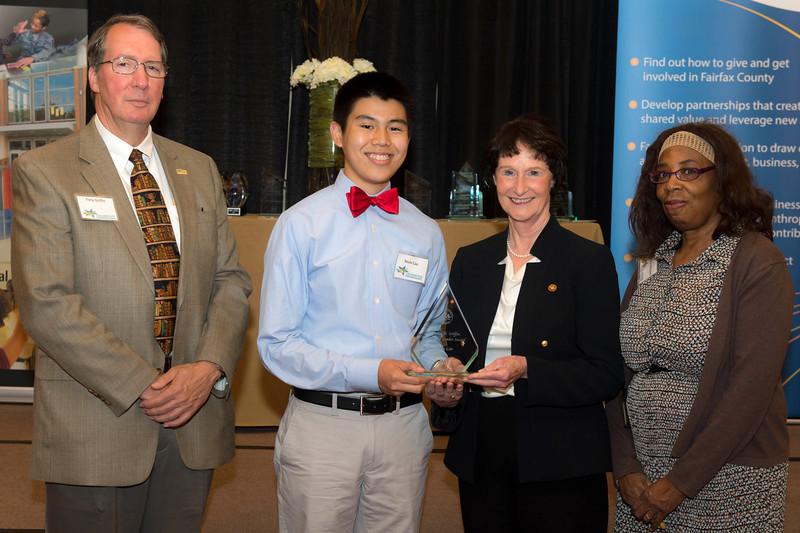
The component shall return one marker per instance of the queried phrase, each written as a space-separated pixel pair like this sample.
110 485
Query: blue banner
734 63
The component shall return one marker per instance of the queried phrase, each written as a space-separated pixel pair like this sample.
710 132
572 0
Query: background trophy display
455 335
418 191
561 202
236 192
466 196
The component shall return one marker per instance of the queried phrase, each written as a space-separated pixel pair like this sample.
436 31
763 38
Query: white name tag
411 268
96 207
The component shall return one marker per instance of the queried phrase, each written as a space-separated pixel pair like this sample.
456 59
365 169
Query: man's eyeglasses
683 174
128 65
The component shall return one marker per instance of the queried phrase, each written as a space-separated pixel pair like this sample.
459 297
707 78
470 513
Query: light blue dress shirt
331 306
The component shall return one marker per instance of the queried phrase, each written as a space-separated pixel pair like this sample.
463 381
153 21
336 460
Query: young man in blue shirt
348 273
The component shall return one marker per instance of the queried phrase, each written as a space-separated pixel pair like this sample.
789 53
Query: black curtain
551 57
471 65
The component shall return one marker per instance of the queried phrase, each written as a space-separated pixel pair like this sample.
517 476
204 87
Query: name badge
96 207
411 268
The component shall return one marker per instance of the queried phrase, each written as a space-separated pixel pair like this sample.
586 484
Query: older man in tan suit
128 281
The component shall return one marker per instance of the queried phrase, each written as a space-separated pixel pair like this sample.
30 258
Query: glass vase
324 157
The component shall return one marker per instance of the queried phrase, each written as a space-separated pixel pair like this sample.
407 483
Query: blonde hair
42 16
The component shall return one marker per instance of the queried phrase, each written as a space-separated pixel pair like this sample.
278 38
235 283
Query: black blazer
566 324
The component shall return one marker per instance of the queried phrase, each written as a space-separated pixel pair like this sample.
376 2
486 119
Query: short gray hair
96 47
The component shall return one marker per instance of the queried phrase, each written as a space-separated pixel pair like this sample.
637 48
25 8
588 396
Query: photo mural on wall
43 80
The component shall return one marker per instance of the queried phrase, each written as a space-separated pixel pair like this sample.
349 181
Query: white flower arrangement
313 73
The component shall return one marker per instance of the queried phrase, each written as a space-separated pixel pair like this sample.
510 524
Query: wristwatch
221 388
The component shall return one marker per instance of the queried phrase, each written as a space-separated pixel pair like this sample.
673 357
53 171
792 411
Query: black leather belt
369 404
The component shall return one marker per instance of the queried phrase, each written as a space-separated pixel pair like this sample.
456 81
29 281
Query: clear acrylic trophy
236 192
466 196
561 202
456 336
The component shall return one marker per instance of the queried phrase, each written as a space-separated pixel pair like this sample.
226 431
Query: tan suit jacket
85 294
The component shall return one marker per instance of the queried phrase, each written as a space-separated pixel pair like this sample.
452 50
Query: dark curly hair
743 205
536 133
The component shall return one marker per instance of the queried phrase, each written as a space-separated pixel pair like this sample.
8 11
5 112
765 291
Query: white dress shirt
499 342
120 152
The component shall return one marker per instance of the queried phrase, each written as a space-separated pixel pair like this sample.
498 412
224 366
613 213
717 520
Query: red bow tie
359 201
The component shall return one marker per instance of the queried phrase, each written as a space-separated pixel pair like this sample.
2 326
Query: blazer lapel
536 276
99 171
489 280
179 179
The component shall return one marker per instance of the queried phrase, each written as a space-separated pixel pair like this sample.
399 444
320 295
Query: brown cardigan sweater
739 414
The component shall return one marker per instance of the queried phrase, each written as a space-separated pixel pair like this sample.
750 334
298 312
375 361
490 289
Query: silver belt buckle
368 397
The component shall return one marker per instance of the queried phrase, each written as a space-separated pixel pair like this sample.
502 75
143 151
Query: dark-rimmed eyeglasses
128 65
683 174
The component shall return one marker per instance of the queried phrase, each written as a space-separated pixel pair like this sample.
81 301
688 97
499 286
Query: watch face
221 388
221 384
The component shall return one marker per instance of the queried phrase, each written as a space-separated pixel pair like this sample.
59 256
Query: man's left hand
657 501
175 396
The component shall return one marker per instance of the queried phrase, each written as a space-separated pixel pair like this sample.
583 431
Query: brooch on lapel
181 172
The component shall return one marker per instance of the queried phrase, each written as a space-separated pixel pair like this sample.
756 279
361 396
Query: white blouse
499 343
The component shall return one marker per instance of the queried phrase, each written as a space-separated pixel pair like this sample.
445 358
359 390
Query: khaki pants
339 471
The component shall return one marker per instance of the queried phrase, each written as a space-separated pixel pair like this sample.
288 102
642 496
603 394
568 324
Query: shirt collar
343 184
119 148
714 252
667 248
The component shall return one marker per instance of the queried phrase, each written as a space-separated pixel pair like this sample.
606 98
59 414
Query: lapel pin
552 287
181 172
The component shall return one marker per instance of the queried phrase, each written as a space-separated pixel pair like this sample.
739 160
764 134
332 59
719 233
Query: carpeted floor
243 492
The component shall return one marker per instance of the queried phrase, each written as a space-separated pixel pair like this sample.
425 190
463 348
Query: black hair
378 84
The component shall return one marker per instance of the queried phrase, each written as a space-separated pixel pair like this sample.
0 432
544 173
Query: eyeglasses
683 174
128 65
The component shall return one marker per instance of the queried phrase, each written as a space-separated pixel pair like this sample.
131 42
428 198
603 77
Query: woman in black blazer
529 439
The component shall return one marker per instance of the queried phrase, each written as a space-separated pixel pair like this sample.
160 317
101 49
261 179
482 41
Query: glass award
418 192
455 335
236 192
466 196
561 202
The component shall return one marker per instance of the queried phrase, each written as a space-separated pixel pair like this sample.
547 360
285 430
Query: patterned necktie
358 201
163 251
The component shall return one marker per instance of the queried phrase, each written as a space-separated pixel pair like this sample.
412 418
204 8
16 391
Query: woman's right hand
501 373
632 486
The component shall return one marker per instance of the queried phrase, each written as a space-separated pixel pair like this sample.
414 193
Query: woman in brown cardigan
699 439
